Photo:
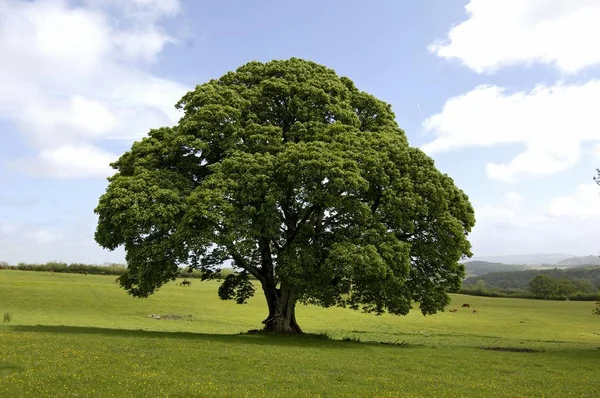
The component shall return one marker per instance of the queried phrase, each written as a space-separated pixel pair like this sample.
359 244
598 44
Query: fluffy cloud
73 76
513 224
69 162
550 122
510 212
508 32
583 204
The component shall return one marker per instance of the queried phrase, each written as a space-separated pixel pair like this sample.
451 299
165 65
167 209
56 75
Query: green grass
80 335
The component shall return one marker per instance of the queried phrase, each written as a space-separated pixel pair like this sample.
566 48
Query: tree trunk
282 309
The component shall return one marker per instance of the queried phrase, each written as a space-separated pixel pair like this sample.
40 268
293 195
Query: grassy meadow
83 336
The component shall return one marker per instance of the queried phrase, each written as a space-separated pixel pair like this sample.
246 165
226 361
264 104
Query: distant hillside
584 266
521 279
524 259
484 267
578 261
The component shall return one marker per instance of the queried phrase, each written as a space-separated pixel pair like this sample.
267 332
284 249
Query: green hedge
111 269
515 293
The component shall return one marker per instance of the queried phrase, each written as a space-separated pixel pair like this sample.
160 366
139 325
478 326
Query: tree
481 286
543 286
566 288
585 286
302 181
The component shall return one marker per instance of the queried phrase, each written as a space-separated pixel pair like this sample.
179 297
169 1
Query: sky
503 94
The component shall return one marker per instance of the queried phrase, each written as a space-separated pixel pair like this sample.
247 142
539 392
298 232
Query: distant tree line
570 284
73 268
109 269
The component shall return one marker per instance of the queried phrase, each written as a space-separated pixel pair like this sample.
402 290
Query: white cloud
511 211
73 75
69 162
583 204
513 198
508 32
499 215
143 10
513 224
550 122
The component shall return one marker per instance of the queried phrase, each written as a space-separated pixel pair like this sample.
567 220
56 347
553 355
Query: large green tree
543 286
302 181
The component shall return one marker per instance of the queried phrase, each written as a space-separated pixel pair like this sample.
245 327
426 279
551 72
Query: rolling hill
579 261
525 259
484 267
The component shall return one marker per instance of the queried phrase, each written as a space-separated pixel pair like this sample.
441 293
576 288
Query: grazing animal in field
454 310
466 305
185 282
117 280
474 311
7 317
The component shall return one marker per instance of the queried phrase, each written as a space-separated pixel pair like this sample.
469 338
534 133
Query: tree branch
301 223
239 259
266 259
377 201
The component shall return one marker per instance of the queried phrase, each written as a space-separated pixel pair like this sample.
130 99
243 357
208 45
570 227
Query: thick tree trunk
282 309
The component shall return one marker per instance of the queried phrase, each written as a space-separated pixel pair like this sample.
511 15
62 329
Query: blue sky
502 94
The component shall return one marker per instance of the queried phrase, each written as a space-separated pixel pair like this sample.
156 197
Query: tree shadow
305 340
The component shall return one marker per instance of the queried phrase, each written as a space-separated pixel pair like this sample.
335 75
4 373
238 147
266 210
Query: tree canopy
543 285
299 179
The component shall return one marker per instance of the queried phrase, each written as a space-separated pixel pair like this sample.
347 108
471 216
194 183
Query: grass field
81 335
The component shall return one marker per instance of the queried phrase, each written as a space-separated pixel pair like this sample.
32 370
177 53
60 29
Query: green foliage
236 286
484 267
74 268
585 285
304 182
481 286
110 269
585 279
566 288
525 294
543 286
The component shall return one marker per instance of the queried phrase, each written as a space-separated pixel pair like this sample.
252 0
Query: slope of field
80 335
